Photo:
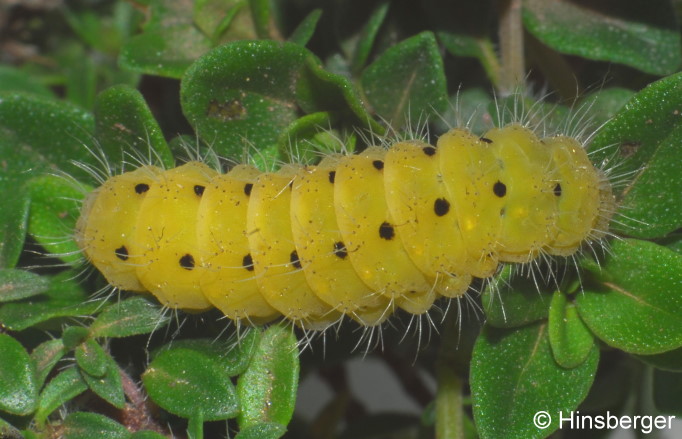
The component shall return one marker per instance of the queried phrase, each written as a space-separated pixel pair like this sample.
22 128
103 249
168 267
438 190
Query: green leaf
643 35
512 299
55 208
407 82
306 28
514 376
64 298
243 94
126 127
480 47
667 391
630 303
18 389
670 361
169 44
570 339
613 384
81 425
36 135
604 104
264 430
306 139
188 385
320 90
15 80
81 79
20 284
73 336
14 215
104 33
167 51
108 385
232 356
463 29
91 358
45 356
267 389
673 242
210 15
368 36
137 315
237 358
64 387
224 21
646 136
52 133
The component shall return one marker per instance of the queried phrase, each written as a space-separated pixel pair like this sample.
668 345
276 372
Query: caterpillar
355 235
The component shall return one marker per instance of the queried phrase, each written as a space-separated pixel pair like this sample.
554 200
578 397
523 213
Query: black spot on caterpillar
288 243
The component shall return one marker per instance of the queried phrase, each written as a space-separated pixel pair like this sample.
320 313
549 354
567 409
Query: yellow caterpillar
356 235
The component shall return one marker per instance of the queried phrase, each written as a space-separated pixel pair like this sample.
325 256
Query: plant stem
195 427
511 47
449 414
136 414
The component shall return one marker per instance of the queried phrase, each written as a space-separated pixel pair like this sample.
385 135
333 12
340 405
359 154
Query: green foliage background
262 79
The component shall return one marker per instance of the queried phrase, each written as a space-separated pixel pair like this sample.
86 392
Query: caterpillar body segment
227 278
109 215
356 235
370 233
278 269
167 247
322 250
412 176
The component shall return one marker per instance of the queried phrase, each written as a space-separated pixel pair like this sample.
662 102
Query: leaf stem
511 47
449 413
195 427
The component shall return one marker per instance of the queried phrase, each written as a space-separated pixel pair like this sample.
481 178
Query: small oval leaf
267 389
108 385
124 123
91 358
514 376
570 339
643 139
264 430
630 303
45 356
187 384
62 388
134 316
18 390
243 93
19 284
643 35
65 297
407 82
512 300
81 425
